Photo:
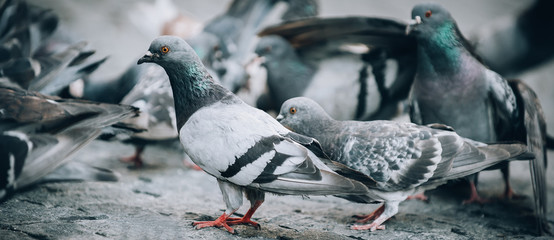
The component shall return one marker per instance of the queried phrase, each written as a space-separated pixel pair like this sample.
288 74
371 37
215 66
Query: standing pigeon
243 147
38 133
402 158
331 61
453 87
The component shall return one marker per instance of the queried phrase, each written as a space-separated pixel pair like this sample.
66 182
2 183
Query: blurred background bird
39 132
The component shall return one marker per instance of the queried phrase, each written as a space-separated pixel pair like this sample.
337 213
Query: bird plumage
453 87
402 158
333 61
243 147
40 132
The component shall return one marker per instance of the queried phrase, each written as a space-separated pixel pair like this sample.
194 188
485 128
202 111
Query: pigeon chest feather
217 135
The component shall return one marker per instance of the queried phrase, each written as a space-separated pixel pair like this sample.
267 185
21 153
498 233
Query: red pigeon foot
246 219
475 198
375 214
219 222
419 196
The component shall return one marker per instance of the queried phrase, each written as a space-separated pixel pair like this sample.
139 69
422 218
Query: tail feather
474 159
537 142
330 184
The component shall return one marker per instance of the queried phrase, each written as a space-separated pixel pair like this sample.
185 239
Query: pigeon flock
269 97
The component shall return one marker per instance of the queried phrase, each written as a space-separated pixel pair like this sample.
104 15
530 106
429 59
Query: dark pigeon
38 134
403 158
243 147
525 35
333 61
453 87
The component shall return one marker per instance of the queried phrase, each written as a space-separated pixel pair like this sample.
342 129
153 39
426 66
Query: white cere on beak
148 53
418 19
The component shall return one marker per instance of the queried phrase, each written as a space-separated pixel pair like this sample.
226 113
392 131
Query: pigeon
153 96
235 31
244 148
38 133
529 43
30 58
331 61
402 158
222 46
453 87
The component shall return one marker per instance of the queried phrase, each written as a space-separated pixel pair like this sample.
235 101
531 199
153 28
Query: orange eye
164 49
428 14
292 110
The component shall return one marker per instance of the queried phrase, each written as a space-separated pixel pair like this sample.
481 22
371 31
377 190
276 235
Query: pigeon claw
371 227
474 197
135 159
372 216
511 195
244 221
419 196
219 222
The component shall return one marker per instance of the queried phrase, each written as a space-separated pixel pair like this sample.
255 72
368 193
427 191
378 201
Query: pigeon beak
412 24
279 117
148 57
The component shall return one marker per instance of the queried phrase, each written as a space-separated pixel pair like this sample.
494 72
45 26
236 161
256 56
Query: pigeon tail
473 159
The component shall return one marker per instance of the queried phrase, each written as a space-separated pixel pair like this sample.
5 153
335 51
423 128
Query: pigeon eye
164 49
267 49
292 110
428 14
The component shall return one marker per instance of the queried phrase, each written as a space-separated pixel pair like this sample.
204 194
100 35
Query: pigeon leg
509 192
256 199
371 216
474 197
419 196
232 195
247 216
390 209
136 158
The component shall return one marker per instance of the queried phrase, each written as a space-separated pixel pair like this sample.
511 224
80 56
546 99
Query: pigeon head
165 50
430 19
274 48
301 113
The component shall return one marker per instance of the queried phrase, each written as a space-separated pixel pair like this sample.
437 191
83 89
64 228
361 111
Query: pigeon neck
193 88
441 52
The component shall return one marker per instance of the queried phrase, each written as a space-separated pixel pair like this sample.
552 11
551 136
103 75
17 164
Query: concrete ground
163 199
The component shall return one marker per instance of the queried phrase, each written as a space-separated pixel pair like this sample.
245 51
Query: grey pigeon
453 87
244 148
38 133
153 96
234 33
331 61
402 158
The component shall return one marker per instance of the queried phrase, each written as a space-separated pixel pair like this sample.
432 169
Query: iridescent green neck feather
441 51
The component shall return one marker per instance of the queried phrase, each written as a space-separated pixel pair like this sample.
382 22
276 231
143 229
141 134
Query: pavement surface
162 200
